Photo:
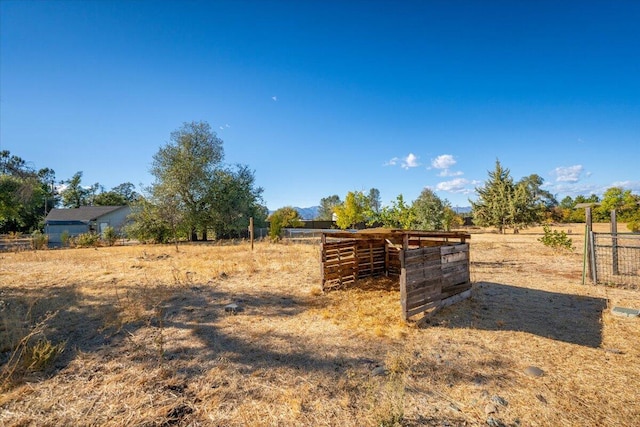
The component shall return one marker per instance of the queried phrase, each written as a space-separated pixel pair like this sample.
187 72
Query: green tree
374 200
429 210
327 206
281 219
26 196
398 215
623 201
74 194
493 207
233 200
186 167
352 211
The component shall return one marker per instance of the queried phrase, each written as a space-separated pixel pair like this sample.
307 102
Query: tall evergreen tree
494 205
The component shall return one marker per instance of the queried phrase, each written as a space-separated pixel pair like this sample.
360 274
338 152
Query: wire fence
617 258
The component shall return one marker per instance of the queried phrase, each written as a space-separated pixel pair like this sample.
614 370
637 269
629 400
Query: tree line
195 195
502 203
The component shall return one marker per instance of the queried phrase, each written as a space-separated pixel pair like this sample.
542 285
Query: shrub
556 239
65 238
39 240
86 240
633 223
110 235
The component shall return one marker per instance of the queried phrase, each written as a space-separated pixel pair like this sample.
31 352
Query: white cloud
391 162
447 172
411 161
627 185
275 98
568 173
457 185
444 161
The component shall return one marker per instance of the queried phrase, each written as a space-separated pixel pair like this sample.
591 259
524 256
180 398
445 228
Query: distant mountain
306 213
462 209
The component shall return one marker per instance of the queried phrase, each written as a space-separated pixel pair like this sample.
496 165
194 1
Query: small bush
556 239
87 240
39 240
41 355
110 235
65 238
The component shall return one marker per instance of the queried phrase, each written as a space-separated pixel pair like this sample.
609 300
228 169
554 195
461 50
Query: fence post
614 241
251 231
589 242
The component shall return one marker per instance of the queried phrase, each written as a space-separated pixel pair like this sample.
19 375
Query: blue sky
326 97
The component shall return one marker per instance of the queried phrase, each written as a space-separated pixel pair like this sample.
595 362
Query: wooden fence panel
430 275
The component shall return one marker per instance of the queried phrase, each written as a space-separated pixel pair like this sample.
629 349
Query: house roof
83 213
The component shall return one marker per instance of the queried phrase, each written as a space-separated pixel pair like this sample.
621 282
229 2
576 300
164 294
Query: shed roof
82 214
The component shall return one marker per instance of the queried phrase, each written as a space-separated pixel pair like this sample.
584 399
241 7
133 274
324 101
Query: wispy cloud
408 162
457 185
568 173
226 126
275 98
627 185
443 163
392 162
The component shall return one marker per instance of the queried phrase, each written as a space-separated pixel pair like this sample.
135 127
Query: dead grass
148 341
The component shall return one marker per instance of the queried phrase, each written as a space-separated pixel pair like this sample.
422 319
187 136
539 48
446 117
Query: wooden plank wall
431 274
345 261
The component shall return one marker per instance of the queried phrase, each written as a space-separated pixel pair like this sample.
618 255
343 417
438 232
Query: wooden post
251 231
587 215
614 242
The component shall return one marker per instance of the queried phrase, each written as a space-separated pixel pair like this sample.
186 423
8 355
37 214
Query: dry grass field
139 336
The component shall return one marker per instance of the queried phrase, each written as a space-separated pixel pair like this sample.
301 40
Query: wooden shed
432 267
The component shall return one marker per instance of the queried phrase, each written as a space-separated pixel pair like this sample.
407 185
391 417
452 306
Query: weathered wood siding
432 274
345 261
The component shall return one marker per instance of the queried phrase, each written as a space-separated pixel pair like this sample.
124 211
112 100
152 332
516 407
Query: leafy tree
25 195
352 211
157 223
374 200
109 198
186 167
282 218
234 199
493 207
398 215
429 210
450 219
327 206
74 194
623 201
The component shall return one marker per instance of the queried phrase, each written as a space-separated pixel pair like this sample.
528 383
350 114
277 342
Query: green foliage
39 240
87 240
398 215
633 222
282 218
25 195
74 194
65 238
185 172
504 204
327 206
429 211
151 224
352 211
110 236
556 240
234 199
